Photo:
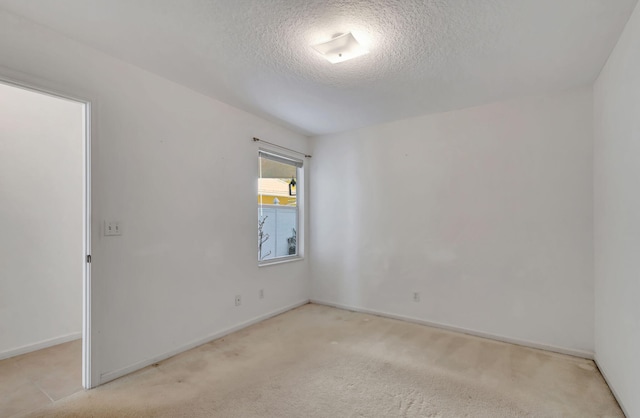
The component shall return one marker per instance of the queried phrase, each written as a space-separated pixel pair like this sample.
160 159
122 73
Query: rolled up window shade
279 158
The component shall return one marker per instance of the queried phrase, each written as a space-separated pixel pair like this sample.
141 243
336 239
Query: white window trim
280 260
300 195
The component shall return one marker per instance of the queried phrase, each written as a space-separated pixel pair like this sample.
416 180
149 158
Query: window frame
285 158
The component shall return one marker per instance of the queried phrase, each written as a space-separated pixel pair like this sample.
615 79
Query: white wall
487 212
41 172
169 164
617 217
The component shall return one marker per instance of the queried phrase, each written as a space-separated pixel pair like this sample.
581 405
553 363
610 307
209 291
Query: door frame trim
86 214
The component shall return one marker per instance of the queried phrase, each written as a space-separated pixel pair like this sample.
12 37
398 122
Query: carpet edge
525 343
115 374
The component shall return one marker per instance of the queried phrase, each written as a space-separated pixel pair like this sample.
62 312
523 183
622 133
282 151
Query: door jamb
86 215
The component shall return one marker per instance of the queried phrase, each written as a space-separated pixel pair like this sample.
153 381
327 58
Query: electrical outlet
238 300
416 296
261 294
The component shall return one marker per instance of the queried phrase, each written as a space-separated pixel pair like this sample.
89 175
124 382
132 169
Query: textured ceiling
426 56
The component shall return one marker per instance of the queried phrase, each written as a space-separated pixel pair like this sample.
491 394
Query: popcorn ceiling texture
426 56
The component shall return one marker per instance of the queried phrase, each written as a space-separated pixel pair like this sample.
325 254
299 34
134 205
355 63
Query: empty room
320 208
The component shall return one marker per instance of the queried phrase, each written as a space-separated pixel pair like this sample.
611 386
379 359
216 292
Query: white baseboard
109 376
40 345
525 343
613 389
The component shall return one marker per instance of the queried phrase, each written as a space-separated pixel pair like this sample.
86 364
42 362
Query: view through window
277 206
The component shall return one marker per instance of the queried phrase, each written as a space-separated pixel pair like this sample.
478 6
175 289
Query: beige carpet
317 361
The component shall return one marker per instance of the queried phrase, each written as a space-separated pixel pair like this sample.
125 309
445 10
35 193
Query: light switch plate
112 228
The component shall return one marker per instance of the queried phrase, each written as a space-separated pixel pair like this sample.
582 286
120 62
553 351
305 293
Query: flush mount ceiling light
341 48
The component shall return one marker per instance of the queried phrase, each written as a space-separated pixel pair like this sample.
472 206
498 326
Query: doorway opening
45 243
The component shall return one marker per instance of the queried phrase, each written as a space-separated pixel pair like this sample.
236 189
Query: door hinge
88 258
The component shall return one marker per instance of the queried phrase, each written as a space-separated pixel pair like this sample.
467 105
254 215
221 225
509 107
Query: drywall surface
41 171
486 212
424 56
617 218
179 171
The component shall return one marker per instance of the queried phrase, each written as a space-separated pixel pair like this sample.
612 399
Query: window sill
282 260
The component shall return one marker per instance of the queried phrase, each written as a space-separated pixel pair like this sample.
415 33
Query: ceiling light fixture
341 48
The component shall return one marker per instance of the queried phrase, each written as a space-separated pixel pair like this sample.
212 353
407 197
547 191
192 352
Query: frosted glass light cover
341 48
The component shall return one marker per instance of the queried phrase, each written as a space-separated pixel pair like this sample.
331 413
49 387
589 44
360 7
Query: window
278 208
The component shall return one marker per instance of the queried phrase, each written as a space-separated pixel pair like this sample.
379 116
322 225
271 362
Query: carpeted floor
317 361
